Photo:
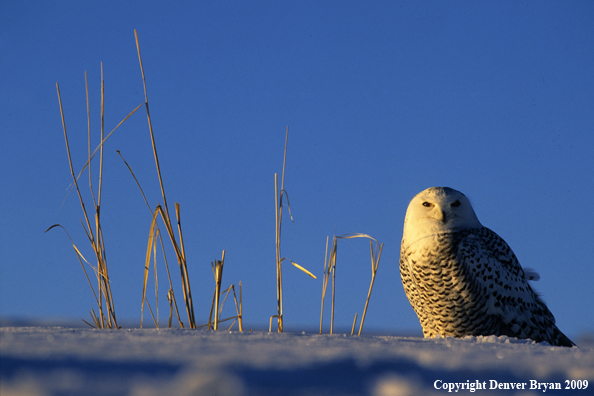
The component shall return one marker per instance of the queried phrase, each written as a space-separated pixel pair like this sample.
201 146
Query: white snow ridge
73 361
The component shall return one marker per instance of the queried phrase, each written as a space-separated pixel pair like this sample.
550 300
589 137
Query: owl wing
410 289
492 265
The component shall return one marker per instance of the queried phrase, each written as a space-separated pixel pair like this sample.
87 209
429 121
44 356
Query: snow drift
74 361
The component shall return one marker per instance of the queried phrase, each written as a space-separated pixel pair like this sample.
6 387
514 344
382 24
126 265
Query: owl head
436 210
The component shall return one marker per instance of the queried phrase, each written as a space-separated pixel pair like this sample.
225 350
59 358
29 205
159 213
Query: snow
76 361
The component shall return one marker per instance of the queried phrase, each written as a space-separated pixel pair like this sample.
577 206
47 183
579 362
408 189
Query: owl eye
427 204
455 204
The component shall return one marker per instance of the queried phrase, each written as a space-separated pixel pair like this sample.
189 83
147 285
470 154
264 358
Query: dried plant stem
330 269
96 238
333 285
324 284
354 323
219 309
157 233
218 270
170 299
156 281
136 180
279 282
151 128
159 211
147 263
101 247
165 213
184 267
239 309
89 137
279 215
104 140
374 264
102 135
278 202
170 294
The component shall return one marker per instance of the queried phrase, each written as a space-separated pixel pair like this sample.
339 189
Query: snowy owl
462 279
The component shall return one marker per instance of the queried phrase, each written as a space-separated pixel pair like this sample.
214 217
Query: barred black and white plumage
463 279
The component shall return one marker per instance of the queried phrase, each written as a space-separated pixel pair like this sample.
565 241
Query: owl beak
444 216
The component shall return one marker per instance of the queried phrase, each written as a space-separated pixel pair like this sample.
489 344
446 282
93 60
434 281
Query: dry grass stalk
147 263
279 281
209 326
329 264
324 284
153 232
330 269
95 237
238 308
136 180
354 323
333 283
218 273
375 258
170 300
179 249
157 234
217 304
278 217
88 163
222 303
107 319
89 134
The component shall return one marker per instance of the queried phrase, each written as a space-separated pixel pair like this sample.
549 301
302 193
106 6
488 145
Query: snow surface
74 361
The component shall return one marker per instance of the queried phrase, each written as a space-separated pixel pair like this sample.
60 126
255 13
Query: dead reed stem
156 280
165 213
170 300
96 238
147 263
218 269
89 137
98 204
106 316
333 285
279 212
324 284
239 309
104 140
278 202
136 180
219 306
183 260
279 282
157 234
330 269
329 266
159 211
374 265
354 323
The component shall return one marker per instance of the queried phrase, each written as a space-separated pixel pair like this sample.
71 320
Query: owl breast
441 288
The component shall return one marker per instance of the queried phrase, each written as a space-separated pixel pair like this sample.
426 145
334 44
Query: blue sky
382 100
